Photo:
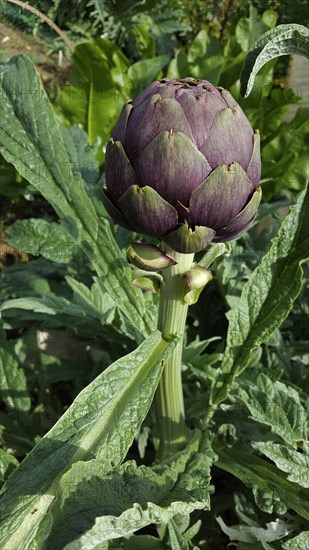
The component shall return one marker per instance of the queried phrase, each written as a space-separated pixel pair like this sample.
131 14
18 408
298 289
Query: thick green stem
169 404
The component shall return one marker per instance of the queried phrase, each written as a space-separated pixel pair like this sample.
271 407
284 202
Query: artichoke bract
183 165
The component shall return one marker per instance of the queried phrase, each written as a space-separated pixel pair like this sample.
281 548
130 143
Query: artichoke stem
169 402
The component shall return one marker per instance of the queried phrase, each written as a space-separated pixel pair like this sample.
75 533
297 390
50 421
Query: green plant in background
101 79
80 412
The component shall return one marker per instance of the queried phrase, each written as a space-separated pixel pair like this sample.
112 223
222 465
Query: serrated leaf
282 40
276 405
79 315
39 237
271 490
54 305
83 160
13 384
300 542
82 155
294 463
99 507
94 300
102 421
31 140
267 297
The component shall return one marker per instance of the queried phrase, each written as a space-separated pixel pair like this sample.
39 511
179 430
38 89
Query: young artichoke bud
148 257
183 165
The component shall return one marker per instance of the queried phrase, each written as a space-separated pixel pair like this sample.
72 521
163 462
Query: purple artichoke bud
183 165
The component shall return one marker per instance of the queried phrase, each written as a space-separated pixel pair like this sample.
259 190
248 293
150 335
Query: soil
14 41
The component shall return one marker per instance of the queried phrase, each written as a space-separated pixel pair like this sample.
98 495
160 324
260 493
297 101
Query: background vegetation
63 322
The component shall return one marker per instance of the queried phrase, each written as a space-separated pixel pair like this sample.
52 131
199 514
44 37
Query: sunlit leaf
102 421
282 40
267 297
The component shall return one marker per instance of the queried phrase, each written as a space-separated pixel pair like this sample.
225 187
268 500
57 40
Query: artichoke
183 165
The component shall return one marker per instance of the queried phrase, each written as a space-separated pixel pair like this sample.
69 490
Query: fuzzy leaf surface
294 463
31 140
267 297
93 507
282 40
271 490
300 542
276 405
102 421
39 237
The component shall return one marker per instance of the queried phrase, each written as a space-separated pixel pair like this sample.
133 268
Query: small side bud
148 257
146 280
195 281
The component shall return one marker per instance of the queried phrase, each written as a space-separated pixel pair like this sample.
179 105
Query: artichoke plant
183 165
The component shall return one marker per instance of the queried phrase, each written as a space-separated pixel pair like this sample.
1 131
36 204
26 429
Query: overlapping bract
183 165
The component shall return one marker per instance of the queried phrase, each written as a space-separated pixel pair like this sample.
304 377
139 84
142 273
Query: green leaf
271 490
276 405
102 422
81 154
267 297
99 506
142 73
294 463
53 369
214 251
116 275
230 72
8 463
274 530
270 18
177 540
289 171
13 383
31 140
300 542
90 97
178 67
39 237
95 301
282 40
249 29
61 310
209 68
198 48
28 279
83 160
